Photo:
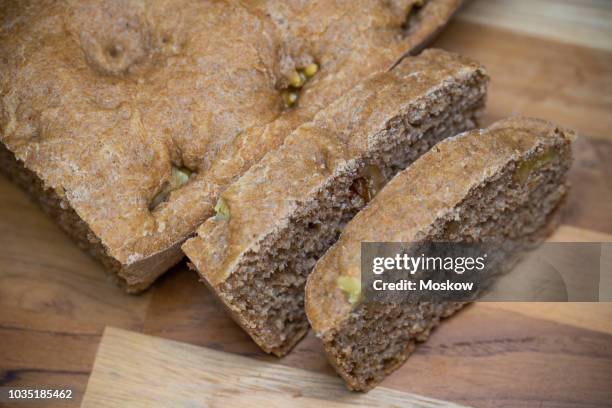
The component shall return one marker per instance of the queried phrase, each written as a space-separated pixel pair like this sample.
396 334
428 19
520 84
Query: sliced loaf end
504 183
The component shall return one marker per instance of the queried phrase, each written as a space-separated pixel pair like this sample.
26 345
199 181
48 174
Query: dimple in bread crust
288 209
101 99
504 183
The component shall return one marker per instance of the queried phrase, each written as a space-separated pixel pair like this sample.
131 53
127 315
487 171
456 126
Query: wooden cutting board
137 370
551 59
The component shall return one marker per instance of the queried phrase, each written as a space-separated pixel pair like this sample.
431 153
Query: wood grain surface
171 374
585 22
55 302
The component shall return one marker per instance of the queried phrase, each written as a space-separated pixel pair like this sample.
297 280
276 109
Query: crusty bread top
99 98
261 201
407 207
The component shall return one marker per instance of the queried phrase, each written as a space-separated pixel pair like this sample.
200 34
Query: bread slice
276 221
503 183
126 119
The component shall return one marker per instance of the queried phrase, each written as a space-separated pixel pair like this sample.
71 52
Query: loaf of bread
125 119
505 183
274 222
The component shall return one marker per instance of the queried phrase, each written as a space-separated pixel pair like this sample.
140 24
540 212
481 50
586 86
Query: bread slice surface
503 183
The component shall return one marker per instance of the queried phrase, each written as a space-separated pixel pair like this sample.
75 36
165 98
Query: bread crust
99 100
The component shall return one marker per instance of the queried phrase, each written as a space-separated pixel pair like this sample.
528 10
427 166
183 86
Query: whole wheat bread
125 119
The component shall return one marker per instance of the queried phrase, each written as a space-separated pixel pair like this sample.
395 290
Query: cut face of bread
126 119
504 183
276 221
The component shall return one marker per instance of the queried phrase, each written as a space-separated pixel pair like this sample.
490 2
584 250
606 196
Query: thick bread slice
282 215
502 183
125 119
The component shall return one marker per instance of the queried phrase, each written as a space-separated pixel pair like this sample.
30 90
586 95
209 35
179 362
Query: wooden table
551 59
